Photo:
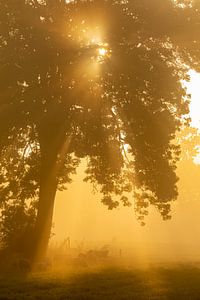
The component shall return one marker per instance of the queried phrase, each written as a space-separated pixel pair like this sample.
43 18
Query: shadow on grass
113 283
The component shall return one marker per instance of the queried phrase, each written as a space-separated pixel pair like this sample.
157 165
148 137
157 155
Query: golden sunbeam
102 51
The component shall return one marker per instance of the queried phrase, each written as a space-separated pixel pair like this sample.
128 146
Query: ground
163 282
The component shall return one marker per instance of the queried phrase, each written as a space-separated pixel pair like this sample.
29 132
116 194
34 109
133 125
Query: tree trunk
48 187
53 147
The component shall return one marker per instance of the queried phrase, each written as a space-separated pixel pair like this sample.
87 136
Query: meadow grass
177 282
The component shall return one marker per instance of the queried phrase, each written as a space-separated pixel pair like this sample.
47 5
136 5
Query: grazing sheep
92 256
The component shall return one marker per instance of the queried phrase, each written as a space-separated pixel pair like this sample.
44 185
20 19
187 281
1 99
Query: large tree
99 80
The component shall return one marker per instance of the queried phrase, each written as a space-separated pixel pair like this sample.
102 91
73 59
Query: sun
102 51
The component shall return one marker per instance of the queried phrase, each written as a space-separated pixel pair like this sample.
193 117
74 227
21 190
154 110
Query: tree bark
48 187
53 142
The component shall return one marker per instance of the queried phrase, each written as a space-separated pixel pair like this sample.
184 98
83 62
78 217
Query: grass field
177 282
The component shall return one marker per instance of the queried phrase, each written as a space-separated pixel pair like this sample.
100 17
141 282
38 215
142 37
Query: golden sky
193 88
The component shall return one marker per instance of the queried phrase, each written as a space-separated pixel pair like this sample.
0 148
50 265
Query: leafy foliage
17 227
